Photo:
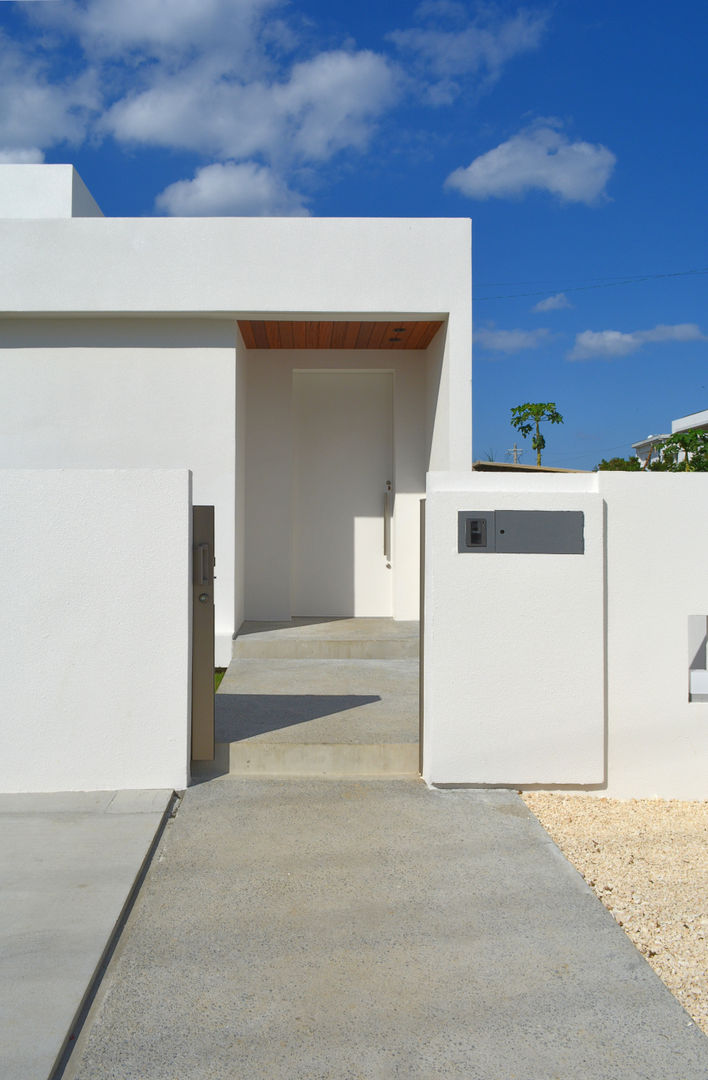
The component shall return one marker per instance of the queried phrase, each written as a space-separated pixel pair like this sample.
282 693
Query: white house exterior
156 343
287 371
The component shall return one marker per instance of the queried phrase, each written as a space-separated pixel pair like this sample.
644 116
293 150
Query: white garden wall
657 545
130 393
95 629
568 670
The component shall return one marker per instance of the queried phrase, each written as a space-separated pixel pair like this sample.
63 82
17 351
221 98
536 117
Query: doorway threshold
328 638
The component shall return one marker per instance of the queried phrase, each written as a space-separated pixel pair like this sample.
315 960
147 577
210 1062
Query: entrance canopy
285 334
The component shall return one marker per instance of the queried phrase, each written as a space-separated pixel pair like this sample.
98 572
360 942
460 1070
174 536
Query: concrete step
328 639
259 758
320 697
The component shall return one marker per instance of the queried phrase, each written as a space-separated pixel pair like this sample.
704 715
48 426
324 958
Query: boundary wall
568 670
95 629
130 393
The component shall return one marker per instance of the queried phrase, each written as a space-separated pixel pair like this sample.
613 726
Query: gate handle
387 522
202 564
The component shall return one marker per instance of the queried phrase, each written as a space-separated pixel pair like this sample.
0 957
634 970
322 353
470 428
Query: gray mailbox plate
522 532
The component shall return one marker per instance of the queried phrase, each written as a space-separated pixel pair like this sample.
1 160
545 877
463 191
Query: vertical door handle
201 569
387 522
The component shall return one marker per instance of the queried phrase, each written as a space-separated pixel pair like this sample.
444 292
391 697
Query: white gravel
647 860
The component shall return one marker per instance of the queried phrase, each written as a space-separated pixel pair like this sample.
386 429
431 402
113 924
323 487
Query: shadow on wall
240 716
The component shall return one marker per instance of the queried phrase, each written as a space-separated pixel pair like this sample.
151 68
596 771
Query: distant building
647 450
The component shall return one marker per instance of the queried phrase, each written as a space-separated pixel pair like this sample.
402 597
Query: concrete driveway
68 865
298 928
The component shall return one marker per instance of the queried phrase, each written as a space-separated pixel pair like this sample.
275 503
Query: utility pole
516 452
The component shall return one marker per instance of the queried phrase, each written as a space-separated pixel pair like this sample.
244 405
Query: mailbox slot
521 532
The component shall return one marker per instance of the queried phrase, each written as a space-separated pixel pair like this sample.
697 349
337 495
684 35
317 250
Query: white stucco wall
657 539
240 502
269 469
513 646
266 267
129 393
568 670
46 191
94 629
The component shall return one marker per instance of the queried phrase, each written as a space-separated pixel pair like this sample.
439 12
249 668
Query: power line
601 450
599 277
601 283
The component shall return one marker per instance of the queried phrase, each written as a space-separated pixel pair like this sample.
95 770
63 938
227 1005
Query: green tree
531 415
684 451
619 464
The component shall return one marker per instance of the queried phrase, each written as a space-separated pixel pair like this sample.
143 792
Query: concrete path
320 697
318 701
314 929
68 864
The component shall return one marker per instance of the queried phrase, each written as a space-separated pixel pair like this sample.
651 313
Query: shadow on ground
241 716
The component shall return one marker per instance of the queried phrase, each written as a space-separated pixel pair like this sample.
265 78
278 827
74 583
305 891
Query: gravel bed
647 860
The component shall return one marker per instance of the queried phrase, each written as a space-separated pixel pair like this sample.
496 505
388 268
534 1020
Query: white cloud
480 47
540 158
217 77
602 343
510 341
333 99
234 80
236 189
171 30
606 344
678 332
553 303
36 112
327 104
28 155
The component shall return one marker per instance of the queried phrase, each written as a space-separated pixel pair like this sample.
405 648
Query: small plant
218 676
531 415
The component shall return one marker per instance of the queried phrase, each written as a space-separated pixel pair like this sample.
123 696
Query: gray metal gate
202 633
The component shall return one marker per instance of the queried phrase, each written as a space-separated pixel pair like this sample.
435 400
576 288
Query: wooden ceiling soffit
285 334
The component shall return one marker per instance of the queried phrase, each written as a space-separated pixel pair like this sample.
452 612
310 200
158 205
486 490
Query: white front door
342 459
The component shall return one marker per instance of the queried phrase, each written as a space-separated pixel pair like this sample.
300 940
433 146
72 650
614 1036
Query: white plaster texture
95 629
657 539
265 267
45 191
129 393
513 647
517 648
239 508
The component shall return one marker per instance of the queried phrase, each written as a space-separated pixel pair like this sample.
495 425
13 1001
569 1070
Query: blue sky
573 134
